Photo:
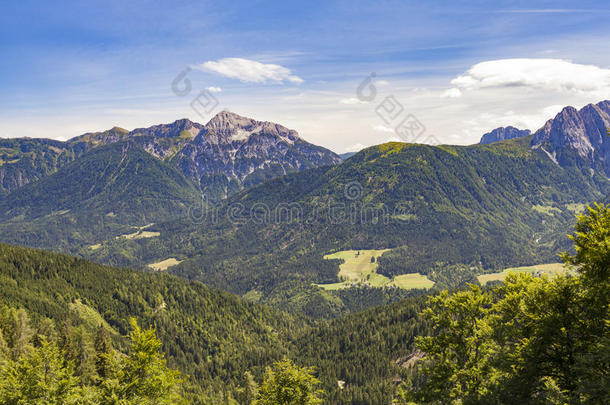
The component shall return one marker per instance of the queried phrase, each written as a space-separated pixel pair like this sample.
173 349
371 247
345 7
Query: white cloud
453 92
351 101
382 82
383 128
213 89
537 74
251 71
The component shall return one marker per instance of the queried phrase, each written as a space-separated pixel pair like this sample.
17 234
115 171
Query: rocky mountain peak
118 130
234 127
173 130
578 137
504 133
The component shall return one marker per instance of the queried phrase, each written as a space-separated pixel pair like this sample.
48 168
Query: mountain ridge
503 134
578 138
222 157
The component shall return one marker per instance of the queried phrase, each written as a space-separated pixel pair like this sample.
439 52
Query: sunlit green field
358 268
549 268
410 281
164 264
357 265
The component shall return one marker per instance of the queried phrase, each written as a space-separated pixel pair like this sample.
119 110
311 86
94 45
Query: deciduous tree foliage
287 384
529 340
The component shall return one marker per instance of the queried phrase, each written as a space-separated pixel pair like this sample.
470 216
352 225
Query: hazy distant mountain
578 137
347 155
503 134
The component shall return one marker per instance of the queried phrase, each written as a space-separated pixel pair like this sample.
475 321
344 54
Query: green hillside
25 160
210 335
101 195
446 212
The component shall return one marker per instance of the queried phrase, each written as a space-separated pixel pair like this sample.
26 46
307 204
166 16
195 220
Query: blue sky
460 68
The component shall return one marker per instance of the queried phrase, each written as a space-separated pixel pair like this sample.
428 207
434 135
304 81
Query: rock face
503 134
578 137
232 152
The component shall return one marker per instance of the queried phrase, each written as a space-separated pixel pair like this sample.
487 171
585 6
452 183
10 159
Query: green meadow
549 268
359 267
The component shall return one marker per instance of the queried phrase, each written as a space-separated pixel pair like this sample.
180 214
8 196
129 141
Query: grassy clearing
549 268
141 233
411 281
358 268
164 264
357 265
546 209
576 207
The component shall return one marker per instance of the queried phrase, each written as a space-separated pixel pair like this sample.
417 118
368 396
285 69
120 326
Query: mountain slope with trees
211 336
101 195
441 210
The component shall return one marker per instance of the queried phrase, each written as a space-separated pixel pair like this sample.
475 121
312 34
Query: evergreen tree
66 342
86 360
248 393
46 330
4 350
22 333
103 353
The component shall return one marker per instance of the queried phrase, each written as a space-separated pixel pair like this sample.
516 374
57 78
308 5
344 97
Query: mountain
449 212
578 138
224 156
104 184
503 134
233 152
161 141
24 160
212 336
347 155
96 196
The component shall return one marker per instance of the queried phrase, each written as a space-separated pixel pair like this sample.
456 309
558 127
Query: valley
304 203
314 263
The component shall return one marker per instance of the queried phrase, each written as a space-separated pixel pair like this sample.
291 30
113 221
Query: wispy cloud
214 89
451 93
383 128
251 71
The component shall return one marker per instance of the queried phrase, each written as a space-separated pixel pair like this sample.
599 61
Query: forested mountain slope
480 207
210 335
24 160
98 196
